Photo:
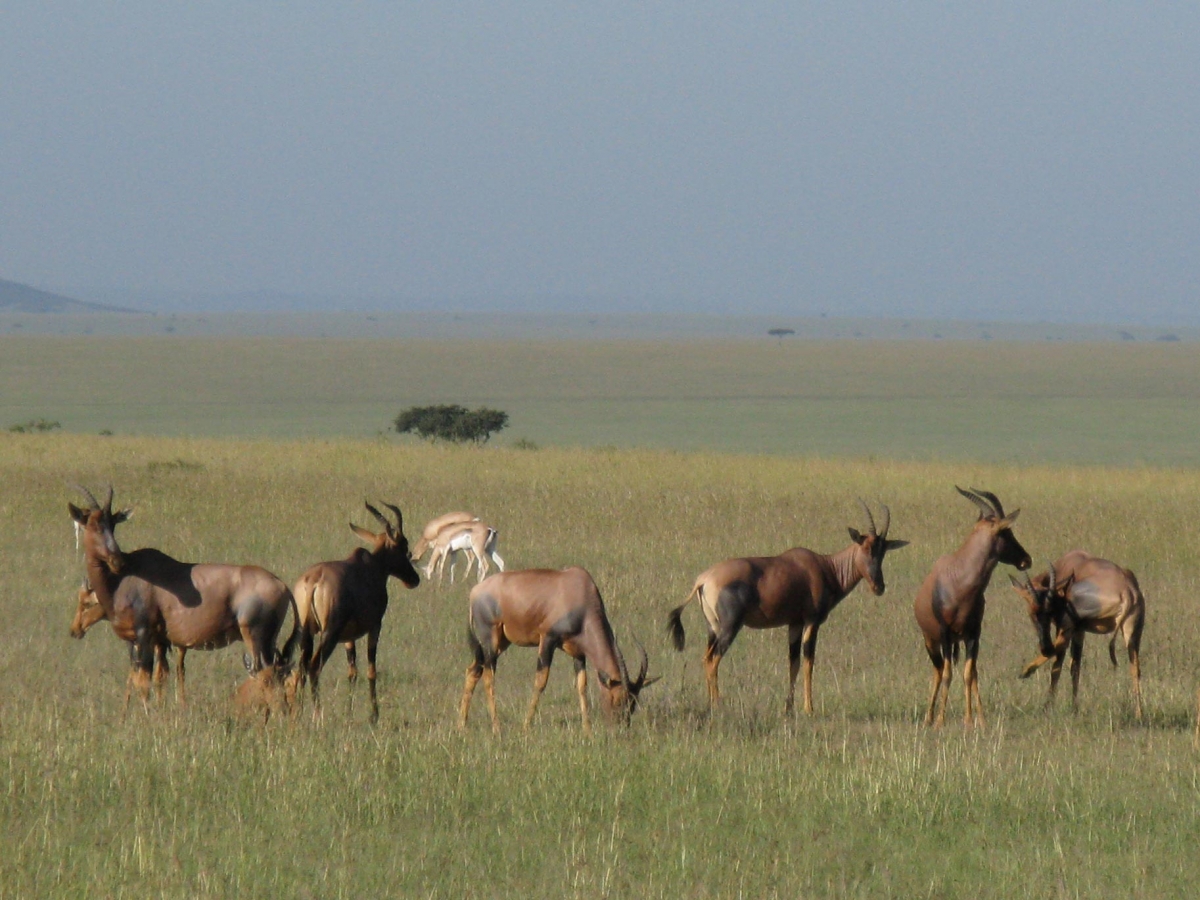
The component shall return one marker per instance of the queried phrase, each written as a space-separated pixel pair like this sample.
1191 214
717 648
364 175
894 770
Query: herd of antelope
155 604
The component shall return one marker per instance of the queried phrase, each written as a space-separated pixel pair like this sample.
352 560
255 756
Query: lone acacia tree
451 422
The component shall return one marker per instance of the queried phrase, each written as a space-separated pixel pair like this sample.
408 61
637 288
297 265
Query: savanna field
645 463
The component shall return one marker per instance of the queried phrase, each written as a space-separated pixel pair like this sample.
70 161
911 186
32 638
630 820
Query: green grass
859 801
1020 403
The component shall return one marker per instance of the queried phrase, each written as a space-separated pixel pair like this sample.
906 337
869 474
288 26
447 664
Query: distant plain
1114 402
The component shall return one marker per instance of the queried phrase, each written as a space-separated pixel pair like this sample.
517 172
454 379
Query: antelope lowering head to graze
1081 593
550 610
433 526
950 603
342 600
798 588
151 599
476 539
88 612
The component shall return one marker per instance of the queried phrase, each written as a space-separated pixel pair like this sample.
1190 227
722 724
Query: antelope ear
1007 521
649 681
122 516
367 536
606 681
896 545
77 514
856 536
1017 586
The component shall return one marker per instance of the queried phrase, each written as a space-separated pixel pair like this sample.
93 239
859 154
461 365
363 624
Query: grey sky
1023 160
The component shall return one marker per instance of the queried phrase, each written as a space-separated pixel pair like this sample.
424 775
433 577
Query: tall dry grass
858 801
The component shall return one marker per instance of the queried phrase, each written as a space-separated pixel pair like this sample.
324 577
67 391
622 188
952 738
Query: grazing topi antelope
550 610
1081 593
430 532
343 600
950 603
88 612
798 588
476 539
151 599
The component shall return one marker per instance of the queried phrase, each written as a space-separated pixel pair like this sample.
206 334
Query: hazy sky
983 160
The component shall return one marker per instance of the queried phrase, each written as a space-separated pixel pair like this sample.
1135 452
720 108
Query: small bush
452 422
34 425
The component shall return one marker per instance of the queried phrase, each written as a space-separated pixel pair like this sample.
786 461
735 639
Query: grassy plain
1096 403
859 801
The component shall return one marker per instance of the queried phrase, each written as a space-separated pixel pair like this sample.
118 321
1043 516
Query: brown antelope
798 588
343 600
1081 593
550 610
151 599
430 532
950 603
88 612
476 539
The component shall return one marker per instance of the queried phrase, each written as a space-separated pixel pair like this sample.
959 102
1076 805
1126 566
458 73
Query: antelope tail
675 619
289 646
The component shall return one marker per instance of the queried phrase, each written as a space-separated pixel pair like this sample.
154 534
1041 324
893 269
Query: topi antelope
89 612
950 603
798 588
343 600
151 599
550 610
1081 593
476 539
430 532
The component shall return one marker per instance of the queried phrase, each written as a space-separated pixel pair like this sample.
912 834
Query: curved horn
108 502
378 515
91 497
985 510
870 518
887 520
644 666
396 512
993 500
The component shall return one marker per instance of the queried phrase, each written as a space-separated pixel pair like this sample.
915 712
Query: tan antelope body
950 603
797 589
343 600
430 532
476 539
1078 594
551 610
89 612
152 599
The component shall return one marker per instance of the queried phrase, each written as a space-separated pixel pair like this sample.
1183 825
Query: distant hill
22 298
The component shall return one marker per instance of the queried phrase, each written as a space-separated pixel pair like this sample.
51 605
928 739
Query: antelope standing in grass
1081 593
89 612
476 539
151 599
950 603
430 532
343 600
551 610
798 588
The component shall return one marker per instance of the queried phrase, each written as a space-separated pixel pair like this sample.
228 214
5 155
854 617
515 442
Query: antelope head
98 524
390 545
1040 601
620 695
88 611
872 548
1005 546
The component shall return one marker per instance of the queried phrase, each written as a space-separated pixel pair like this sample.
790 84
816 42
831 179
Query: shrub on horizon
451 422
